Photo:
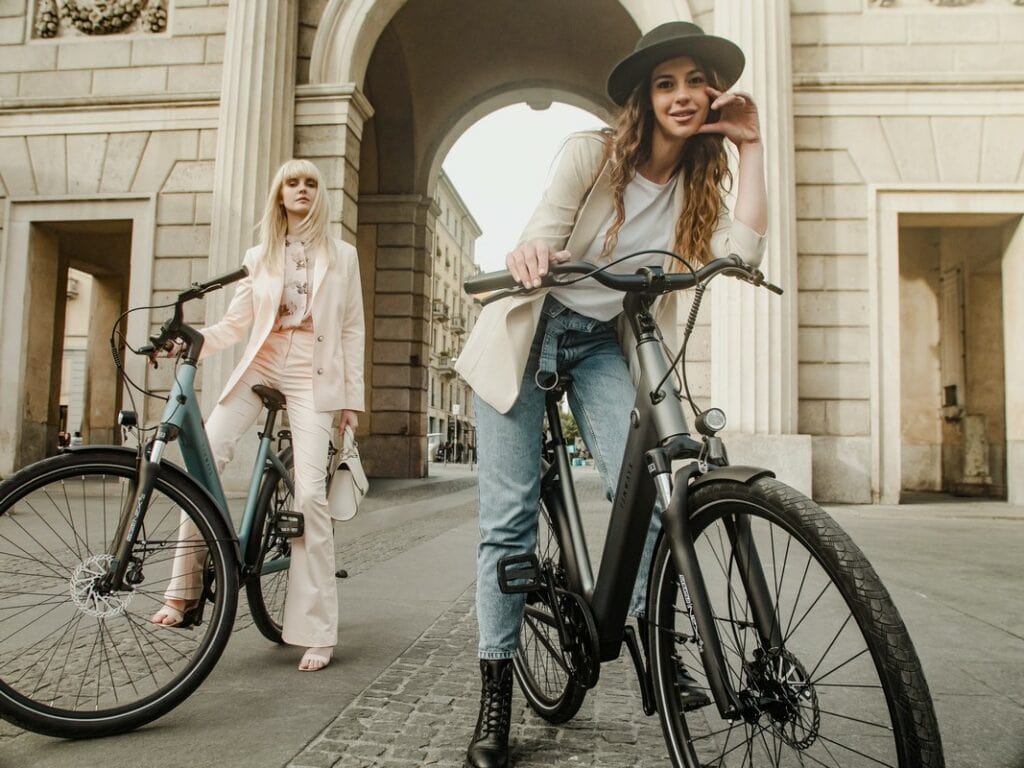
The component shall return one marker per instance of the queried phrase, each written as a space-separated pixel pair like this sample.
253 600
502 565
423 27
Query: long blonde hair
703 164
274 224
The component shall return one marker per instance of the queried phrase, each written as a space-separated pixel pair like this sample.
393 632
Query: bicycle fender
179 475
739 473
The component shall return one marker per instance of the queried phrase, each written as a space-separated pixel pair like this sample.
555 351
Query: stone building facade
450 417
894 132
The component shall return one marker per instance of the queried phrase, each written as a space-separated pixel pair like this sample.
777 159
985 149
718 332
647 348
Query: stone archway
430 70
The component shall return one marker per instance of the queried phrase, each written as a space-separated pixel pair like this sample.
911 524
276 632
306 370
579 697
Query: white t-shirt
648 226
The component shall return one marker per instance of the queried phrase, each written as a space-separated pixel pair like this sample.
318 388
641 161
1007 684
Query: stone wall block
398 376
842 469
395 423
832 236
49 164
170 50
396 328
391 399
399 281
207 144
843 381
848 29
955 29
214 49
812 417
394 305
848 417
163 150
16 167
399 352
86 153
912 147
400 258
807 132
396 234
54 85
12 30
821 201
1002 149
122 160
319 140
818 308
847 272
204 205
818 59
199 78
176 208
798 7
826 167
172 274
131 80
28 58
958 148
835 344
890 59
199 21
8 86
12 8
1005 57
190 176
182 241
97 54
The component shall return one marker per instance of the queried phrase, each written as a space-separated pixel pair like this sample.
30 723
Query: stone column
399 231
754 333
255 132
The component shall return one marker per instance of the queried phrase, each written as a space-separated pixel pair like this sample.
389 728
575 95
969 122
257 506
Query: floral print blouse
294 311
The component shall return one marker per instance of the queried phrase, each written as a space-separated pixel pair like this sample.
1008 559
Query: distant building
453 314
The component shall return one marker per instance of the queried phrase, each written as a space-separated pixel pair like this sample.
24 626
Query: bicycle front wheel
78 659
542 665
844 687
270 553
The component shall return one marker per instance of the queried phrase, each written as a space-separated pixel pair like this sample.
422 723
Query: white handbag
346 482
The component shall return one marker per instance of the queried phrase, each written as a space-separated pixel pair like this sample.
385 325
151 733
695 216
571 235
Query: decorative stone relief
986 4
59 18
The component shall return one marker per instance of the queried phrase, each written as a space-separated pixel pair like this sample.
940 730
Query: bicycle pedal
519 573
289 525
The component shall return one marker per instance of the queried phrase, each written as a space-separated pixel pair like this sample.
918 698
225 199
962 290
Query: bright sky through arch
500 166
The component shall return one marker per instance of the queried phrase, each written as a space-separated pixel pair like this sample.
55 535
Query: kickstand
643 674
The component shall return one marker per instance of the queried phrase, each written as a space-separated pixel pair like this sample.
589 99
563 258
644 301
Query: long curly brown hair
703 164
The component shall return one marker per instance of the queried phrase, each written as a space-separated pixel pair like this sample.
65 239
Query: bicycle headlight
711 421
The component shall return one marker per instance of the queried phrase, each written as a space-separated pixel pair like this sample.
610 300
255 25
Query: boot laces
497 704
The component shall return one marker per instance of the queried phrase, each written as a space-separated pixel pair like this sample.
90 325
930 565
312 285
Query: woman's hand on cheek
738 120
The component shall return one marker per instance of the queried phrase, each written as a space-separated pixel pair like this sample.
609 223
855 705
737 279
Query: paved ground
403 688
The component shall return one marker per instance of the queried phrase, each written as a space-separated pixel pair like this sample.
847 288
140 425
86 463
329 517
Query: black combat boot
489 747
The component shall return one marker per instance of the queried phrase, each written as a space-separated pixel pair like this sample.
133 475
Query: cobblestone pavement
422 709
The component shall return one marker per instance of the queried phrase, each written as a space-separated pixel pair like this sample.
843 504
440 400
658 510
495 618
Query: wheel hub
87 593
787 697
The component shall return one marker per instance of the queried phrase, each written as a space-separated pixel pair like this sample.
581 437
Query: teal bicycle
87 542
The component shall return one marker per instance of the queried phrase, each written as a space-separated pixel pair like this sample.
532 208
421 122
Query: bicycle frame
658 435
183 420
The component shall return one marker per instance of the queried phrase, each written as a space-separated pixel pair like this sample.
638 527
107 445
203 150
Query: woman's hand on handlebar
529 262
171 348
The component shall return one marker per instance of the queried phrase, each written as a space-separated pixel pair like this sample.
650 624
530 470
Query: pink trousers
286 363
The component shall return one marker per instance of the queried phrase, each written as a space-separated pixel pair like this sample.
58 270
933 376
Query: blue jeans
601 395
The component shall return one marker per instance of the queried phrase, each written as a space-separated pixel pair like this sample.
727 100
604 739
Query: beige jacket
337 311
571 214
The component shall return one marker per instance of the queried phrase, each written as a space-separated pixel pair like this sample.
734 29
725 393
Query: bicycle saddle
272 399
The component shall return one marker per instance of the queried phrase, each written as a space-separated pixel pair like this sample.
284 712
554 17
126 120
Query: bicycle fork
732 704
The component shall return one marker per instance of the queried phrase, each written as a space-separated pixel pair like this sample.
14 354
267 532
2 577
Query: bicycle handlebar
175 326
647 280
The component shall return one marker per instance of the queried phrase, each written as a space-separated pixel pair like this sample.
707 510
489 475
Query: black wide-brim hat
667 41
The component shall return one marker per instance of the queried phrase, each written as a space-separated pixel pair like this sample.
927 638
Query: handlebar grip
223 280
490 281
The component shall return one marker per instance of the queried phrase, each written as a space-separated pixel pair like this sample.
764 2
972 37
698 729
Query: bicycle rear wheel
271 553
845 688
77 660
542 666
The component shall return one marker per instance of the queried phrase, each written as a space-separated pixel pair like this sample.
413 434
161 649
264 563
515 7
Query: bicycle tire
265 589
846 688
545 677
77 661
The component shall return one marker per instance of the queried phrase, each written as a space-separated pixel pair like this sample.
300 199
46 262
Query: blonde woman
656 181
301 309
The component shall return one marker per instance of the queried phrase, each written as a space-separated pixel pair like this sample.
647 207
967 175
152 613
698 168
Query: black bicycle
768 639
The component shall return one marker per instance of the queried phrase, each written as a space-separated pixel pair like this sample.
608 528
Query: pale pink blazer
337 311
571 214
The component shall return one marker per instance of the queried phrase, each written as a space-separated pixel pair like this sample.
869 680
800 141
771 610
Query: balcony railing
457 324
439 310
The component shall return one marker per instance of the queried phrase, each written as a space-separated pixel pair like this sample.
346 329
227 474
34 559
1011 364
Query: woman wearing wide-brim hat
655 181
